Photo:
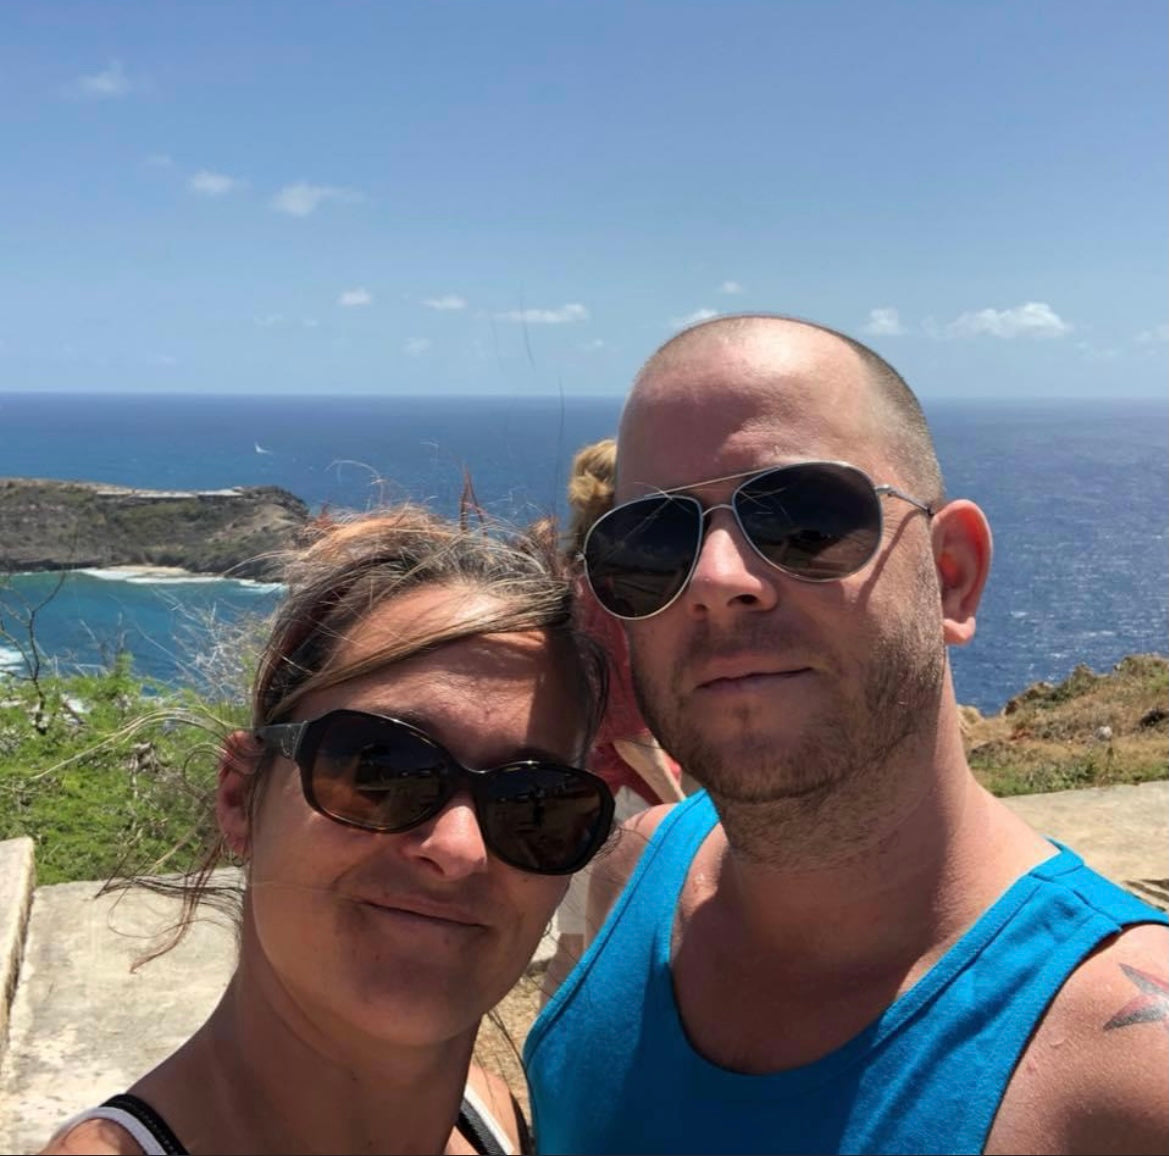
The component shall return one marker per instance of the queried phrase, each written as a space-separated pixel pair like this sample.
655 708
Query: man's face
761 685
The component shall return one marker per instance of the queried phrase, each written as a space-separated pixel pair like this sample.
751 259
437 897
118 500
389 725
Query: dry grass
501 1038
1090 730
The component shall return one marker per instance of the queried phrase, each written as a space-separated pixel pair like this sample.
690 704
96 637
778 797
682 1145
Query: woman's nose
452 842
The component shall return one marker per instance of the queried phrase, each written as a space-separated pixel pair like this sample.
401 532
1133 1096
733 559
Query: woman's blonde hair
590 489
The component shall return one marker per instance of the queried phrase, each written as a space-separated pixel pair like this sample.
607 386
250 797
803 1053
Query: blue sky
482 196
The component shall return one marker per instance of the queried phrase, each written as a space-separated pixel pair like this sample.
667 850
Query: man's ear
237 770
962 552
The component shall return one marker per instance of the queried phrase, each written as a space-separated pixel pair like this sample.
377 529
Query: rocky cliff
54 525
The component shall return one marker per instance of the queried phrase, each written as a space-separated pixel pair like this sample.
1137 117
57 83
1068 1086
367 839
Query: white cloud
694 318
159 161
416 346
1157 333
301 199
310 322
111 83
730 287
352 297
546 316
1034 319
209 184
449 302
269 320
594 346
1097 353
885 322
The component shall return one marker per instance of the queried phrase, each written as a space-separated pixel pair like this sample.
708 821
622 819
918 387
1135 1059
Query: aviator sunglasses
382 774
816 521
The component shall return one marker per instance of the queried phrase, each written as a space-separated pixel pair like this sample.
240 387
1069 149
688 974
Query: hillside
1090 730
54 525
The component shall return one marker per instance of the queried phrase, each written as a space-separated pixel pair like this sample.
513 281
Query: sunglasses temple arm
286 737
894 492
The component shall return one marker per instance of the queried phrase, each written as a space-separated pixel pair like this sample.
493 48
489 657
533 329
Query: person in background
845 943
408 805
625 754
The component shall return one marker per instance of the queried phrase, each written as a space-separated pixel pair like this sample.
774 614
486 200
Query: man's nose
451 844
729 574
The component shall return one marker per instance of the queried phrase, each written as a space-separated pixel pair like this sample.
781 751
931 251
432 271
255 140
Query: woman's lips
426 915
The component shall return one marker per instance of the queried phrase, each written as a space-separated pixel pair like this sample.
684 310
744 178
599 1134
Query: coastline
164 575
48 525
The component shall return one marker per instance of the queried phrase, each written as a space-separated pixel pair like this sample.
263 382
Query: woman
393 896
625 754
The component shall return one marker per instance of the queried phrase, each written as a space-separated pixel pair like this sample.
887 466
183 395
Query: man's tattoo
1151 1006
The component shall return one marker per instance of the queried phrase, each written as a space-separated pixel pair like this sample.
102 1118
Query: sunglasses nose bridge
735 526
454 780
708 510
704 513
724 570
474 781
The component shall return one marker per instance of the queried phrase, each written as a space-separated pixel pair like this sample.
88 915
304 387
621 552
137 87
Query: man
856 948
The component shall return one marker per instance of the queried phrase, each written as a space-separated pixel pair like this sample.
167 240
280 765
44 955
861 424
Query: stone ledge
84 1023
17 880
1119 831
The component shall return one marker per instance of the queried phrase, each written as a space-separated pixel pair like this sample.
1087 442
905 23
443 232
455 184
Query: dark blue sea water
1077 494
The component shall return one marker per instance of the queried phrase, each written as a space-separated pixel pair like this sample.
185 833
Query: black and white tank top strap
480 1128
145 1126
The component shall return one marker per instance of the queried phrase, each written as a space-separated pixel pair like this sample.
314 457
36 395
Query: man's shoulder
1093 1077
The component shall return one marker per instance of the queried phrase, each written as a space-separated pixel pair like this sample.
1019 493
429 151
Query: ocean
1076 493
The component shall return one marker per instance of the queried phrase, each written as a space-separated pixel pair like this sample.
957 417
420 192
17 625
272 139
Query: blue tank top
611 1070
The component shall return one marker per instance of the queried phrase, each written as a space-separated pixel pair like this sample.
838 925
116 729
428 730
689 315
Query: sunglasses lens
378 774
544 818
818 521
638 556
383 775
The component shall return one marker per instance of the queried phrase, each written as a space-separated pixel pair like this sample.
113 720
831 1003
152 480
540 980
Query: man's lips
746 675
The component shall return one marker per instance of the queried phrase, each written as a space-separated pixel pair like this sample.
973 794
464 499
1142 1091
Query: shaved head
761 351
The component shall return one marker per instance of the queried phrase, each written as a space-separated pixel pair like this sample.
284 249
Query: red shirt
622 719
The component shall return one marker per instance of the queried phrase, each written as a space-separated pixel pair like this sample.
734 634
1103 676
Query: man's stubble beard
850 738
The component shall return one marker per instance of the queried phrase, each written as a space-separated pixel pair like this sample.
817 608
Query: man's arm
1095 1077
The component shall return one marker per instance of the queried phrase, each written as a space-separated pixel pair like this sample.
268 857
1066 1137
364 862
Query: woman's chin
407 1000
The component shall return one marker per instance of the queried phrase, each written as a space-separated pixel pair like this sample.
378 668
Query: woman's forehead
483 696
480 659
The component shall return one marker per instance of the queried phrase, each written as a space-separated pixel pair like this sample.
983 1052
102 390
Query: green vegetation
107 773
1091 730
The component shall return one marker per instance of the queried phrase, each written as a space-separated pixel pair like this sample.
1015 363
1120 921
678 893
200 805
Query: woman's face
413 936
